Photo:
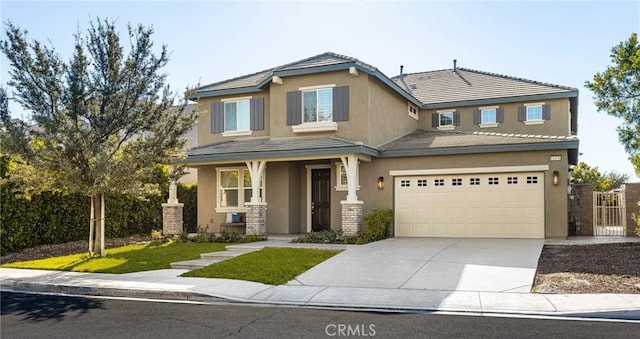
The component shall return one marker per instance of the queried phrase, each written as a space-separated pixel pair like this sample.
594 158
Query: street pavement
44 316
344 288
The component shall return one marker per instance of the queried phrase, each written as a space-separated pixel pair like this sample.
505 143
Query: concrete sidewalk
167 284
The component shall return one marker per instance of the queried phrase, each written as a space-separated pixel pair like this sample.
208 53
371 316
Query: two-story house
318 143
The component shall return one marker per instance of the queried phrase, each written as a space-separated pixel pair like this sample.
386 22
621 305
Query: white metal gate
609 215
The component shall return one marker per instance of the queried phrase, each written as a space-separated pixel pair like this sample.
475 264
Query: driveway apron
449 264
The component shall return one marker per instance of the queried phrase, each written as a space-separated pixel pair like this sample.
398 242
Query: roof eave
499 100
222 92
191 159
541 146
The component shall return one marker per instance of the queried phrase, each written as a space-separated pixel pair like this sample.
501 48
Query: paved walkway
167 284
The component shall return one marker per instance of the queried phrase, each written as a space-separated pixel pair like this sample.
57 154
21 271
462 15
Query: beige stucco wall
354 129
388 114
558 125
205 136
555 198
207 218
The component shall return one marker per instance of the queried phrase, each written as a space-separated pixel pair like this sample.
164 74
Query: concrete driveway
449 264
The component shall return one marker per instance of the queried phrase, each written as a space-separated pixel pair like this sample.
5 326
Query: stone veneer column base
172 218
351 217
257 218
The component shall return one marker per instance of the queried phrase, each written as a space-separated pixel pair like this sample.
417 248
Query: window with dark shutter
500 115
217 117
456 118
477 119
522 113
546 112
435 120
257 114
341 103
294 108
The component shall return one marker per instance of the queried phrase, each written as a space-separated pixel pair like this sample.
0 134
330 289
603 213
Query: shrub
377 224
54 218
320 237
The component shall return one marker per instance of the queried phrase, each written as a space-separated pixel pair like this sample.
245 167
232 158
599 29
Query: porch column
351 208
172 211
350 164
257 213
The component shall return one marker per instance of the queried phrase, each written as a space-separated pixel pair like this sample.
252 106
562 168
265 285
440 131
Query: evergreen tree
103 118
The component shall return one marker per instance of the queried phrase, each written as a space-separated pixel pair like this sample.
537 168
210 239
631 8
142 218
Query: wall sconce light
380 183
556 178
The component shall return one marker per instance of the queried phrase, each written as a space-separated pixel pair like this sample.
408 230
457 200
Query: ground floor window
234 188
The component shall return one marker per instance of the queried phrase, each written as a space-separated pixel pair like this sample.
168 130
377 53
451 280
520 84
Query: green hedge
54 218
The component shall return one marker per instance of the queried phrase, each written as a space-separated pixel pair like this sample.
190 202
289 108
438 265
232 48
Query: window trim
241 189
410 109
339 186
315 89
526 113
446 127
235 132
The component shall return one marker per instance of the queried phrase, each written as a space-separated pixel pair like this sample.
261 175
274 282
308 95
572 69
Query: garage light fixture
556 178
380 183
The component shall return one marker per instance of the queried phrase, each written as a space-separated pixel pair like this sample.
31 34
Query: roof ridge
238 77
414 73
515 78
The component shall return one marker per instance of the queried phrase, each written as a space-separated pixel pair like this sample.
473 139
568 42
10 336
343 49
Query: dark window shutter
294 108
257 114
500 115
456 118
217 117
546 112
341 103
477 119
435 120
522 113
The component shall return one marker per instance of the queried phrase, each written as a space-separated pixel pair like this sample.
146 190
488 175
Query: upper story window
413 111
317 108
236 116
534 113
317 105
445 119
488 116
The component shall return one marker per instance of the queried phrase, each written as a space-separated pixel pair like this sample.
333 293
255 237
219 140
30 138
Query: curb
11 285
17 286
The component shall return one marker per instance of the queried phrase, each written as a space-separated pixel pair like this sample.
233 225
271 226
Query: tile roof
271 145
421 140
468 84
255 79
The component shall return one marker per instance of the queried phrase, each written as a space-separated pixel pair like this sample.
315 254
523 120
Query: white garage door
500 205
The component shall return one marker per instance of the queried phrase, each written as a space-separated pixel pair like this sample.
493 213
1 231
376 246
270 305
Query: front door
320 199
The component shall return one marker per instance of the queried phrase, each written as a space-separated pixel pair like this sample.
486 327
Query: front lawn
274 266
125 259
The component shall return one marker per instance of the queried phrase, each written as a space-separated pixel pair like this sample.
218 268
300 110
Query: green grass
274 266
125 259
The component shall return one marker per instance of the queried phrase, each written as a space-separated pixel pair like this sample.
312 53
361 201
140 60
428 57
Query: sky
563 43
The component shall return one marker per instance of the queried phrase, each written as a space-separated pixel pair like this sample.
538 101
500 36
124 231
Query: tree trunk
92 224
98 211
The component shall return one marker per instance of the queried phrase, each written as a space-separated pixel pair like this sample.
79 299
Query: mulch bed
82 246
599 268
